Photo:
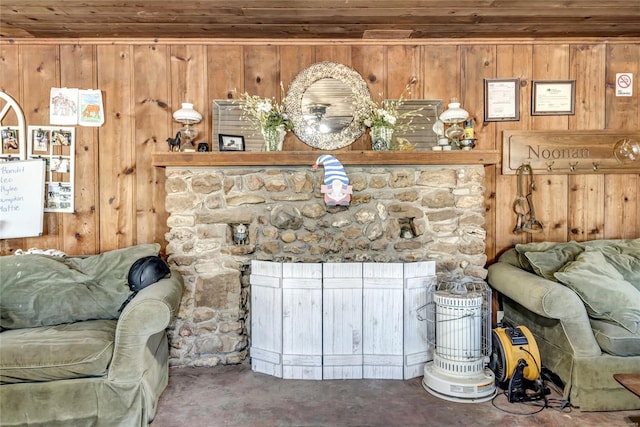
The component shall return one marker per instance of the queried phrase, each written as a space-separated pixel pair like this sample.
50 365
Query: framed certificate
553 97
501 100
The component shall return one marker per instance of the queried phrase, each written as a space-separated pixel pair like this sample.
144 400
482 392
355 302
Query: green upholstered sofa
68 355
581 301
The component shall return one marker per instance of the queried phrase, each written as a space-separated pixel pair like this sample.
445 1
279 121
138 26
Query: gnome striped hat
333 169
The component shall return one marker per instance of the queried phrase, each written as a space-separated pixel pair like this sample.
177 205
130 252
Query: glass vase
381 137
273 138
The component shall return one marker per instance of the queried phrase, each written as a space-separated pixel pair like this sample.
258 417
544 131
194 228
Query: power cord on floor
560 405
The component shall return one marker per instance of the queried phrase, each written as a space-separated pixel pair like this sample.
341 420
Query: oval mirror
324 103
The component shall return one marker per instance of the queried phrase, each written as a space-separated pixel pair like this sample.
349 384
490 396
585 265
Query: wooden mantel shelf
308 158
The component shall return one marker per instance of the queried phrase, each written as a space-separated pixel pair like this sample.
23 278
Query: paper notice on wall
91 109
624 84
63 106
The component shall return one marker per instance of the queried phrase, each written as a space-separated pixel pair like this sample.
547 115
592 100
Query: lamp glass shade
187 114
627 151
454 114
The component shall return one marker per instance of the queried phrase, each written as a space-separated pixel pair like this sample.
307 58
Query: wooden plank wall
120 196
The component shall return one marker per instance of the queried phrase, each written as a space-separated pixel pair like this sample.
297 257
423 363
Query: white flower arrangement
386 112
263 113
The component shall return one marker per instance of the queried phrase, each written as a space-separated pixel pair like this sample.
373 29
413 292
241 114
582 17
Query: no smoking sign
624 84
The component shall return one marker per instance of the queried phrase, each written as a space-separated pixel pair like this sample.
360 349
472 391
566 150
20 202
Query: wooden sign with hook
566 152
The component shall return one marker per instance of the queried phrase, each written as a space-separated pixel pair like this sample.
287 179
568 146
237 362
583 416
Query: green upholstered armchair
104 371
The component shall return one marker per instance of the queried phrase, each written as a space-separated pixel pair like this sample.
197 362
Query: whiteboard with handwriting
21 198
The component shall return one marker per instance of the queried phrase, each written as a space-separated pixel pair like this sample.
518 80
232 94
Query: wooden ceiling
319 19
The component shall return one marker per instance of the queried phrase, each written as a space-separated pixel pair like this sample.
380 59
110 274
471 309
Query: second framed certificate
553 97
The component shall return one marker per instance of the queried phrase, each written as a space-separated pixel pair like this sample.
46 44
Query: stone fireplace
398 213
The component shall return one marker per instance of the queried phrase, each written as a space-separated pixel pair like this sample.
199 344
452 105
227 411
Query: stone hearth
397 214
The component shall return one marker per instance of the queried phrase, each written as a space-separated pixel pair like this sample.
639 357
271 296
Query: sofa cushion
605 293
41 290
614 339
626 259
546 262
48 353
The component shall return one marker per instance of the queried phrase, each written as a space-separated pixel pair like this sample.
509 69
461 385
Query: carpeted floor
234 396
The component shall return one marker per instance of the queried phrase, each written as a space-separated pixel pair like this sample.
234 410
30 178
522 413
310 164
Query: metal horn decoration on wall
523 206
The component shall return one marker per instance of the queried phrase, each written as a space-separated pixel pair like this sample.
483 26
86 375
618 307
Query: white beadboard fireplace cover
341 320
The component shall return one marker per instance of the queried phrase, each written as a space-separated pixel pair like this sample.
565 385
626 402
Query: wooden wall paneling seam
224 71
340 53
587 66
151 108
478 62
622 196
225 65
551 62
293 59
130 175
622 113
261 71
115 148
585 216
586 213
511 61
80 230
40 72
441 80
370 62
402 65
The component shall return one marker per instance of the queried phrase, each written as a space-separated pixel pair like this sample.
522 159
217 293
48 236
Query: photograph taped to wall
9 136
59 196
56 145
60 137
41 141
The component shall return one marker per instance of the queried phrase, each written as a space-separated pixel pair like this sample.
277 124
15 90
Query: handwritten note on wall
21 198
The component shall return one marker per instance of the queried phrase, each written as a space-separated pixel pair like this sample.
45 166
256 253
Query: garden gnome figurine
336 188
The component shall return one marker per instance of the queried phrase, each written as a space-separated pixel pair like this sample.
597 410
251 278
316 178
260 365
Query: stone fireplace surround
398 213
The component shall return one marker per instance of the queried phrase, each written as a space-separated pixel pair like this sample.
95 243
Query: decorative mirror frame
297 89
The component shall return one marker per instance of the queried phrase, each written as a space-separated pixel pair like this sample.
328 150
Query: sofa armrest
149 313
548 299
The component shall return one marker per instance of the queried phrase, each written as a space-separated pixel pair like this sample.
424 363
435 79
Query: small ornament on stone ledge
336 188
240 234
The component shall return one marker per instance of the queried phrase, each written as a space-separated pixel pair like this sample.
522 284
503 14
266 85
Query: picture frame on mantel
231 142
501 100
553 97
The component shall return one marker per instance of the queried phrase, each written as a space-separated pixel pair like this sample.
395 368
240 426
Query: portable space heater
462 316
515 361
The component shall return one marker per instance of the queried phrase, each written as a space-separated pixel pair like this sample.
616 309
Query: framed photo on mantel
231 142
